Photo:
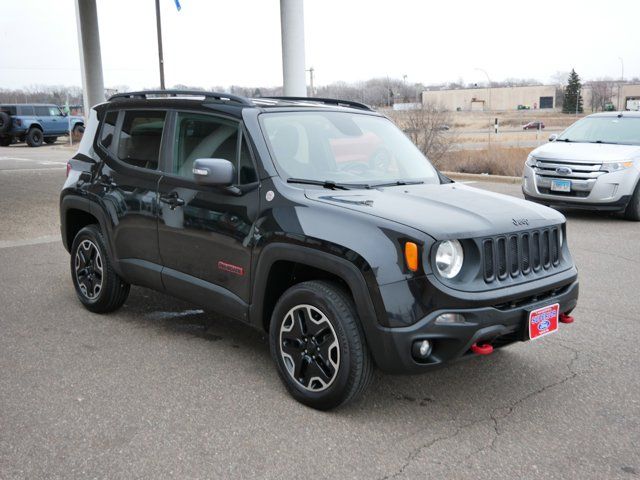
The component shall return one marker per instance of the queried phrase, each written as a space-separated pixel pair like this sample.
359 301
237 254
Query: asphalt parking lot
162 389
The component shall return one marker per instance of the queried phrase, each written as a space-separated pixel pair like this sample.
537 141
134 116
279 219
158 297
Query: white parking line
29 241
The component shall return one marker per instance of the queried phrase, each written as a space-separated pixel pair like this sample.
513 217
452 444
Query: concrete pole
90 58
292 28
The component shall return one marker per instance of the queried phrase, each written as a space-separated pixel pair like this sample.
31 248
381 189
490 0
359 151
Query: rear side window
140 138
25 110
108 129
10 109
42 111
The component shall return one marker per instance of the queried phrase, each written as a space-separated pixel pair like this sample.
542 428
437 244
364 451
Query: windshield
623 130
345 148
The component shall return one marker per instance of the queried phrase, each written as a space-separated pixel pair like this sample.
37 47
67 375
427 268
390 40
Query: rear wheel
318 345
77 132
5 141
98 286
50 140
34 137
633 209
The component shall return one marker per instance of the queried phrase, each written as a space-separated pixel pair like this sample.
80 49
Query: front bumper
607 192
499 325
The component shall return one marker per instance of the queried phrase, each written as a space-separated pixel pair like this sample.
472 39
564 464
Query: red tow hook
564 318
484 349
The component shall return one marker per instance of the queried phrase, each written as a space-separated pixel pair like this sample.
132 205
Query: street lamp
489 80
621 80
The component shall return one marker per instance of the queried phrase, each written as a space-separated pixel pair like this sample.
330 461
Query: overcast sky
223 42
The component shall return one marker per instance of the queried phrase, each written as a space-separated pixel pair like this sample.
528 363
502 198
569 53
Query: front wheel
318 345
633 209
98 286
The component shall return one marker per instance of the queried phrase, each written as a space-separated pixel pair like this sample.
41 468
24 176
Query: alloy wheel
309 348
89 269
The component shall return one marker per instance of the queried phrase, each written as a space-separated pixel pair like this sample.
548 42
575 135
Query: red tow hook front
484 349
564 318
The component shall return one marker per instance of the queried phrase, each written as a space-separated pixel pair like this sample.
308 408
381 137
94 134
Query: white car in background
594 164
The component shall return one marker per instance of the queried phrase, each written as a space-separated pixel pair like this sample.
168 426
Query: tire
77 132
34 137
98 286
50 140
5 122
5 141
327 348
633 209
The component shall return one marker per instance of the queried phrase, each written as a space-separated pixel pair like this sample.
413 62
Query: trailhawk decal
228 267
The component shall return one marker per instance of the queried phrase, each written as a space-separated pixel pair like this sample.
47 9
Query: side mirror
553 137
216 172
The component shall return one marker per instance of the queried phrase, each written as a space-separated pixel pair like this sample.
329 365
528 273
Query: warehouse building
502 98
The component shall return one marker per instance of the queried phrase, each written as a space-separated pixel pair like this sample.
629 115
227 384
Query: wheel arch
281 266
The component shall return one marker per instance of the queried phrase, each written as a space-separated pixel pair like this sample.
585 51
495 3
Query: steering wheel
380 159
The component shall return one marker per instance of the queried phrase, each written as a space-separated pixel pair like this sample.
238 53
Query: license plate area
543 321
563 186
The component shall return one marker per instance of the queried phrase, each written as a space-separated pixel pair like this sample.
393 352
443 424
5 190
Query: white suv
594 164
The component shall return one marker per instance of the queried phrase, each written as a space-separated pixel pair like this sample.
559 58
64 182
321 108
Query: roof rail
220 97
326 101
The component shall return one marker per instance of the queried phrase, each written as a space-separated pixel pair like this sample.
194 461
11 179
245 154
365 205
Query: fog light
449 318
421 349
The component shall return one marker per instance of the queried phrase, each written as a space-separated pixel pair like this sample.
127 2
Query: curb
482 177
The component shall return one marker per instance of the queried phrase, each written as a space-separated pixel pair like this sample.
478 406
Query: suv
258 210
594 164
36 123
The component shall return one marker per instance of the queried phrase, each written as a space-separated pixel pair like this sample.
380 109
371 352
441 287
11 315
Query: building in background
496 99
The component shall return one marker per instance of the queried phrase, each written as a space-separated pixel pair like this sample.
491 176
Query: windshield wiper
563 140
608 143
331 185
396 183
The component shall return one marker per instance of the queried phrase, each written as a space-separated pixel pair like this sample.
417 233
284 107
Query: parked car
533 126
35 124
594 165
239 205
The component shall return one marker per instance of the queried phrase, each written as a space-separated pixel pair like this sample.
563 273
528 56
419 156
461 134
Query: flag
178 4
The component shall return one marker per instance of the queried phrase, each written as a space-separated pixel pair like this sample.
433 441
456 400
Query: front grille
567 169
520 254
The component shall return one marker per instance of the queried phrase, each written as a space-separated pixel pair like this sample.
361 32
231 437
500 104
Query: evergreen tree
572 95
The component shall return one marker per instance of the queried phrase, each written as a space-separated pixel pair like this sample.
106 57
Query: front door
205 233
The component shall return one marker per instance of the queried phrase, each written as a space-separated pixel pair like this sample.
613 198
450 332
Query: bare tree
428 127
601 93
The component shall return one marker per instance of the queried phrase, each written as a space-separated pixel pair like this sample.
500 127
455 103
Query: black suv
316 220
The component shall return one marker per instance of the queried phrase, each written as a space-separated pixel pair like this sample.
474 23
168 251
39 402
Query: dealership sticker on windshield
543 321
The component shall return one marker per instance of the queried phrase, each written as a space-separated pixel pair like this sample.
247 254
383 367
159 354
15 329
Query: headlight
531 161
615 166
449 258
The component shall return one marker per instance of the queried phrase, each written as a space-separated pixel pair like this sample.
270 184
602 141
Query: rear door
45 119
131 144
205 233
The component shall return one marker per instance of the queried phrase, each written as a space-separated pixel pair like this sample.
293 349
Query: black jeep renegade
316 220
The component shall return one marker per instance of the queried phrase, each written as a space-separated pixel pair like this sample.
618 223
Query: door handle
172 199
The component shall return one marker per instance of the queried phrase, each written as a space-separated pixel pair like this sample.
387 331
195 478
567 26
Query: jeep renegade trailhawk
316 220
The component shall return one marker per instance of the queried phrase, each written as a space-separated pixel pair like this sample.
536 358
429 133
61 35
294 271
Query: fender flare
369 310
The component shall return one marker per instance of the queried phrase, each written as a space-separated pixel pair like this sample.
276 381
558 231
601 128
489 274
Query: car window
25 110
140 138
246 171
54 111
203 136
10 109
108 129
42 111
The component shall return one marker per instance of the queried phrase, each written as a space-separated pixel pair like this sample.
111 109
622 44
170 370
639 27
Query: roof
626 113
237 101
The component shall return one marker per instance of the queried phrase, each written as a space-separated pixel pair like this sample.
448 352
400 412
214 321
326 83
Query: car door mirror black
216 172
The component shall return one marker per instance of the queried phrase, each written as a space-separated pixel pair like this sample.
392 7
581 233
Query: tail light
68 168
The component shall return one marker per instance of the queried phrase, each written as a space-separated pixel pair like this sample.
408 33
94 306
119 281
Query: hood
587 152
445 211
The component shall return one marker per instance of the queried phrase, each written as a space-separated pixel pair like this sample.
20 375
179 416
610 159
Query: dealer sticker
543 321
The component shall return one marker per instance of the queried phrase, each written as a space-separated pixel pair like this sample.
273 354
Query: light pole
311 92
489 80
621 80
